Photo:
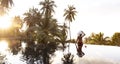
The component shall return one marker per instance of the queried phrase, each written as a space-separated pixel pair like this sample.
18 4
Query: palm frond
6 3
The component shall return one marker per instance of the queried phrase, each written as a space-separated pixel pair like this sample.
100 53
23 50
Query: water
94 54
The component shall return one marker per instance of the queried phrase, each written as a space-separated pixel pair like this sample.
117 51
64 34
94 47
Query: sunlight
5 22
3 45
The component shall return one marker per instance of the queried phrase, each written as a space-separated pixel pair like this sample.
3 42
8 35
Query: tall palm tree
47 10
70 16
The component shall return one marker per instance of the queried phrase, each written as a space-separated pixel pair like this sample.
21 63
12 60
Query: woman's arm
83 34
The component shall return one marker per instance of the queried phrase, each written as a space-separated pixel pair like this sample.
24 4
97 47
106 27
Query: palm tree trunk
70 37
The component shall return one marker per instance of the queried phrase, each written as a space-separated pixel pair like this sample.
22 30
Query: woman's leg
79 49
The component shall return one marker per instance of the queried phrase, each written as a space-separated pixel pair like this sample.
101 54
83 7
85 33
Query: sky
92 15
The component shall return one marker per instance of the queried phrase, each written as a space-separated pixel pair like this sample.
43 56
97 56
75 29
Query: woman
80 43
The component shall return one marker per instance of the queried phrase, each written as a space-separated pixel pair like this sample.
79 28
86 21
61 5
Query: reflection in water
94 54
3 50
3 45
5 54
23 45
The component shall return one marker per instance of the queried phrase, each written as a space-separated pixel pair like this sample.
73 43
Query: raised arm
83 34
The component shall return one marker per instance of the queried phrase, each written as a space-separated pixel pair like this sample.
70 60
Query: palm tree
70 16
46 43
5 5
32 17
47 38
63 36
42 41
47 8
68 59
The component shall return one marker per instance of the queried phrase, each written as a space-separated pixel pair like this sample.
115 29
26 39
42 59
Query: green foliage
97 39
47 8
32 17
15 46
70 13
101 40
116 39
62 34
42 36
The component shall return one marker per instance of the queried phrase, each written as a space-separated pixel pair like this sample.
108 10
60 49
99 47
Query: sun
5 22
3 45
